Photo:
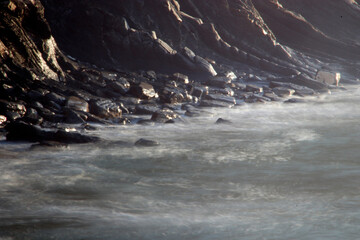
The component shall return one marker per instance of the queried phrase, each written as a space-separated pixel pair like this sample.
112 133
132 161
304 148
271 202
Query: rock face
128 57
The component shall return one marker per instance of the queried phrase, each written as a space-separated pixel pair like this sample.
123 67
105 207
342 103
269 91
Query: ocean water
279 171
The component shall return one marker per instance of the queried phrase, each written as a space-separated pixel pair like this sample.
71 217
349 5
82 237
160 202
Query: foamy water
279 171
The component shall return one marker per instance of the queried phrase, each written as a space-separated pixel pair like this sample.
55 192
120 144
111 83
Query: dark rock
12 116
72 137
214 103
200 91
54 97
118 87
255 98
32 116
272 96
164 115
73 117
253 88
172 95
299 90
143 90
21 131
49 144
35 95
78 104
220 97
219 81
205 66
145 122
295 100
146 143
146 109
105 108
88 127
222 121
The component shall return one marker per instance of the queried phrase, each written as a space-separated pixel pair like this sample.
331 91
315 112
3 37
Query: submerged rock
222 121
142 142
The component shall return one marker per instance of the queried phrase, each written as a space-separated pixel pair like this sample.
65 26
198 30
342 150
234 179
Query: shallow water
279 171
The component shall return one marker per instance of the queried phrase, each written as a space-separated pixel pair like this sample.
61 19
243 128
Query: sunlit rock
143 90
77 104
331 78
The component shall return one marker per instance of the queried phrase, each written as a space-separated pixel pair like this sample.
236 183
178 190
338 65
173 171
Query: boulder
331 78
73 117
78 104
205 66
143 90
172 95
200 91
32 116
164 115
120 86
253 88
54 97
142 142
21 131
105 108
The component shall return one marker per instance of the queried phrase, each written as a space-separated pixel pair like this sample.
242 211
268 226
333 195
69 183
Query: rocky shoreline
51 98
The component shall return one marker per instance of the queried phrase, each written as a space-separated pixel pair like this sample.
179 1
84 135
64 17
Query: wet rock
255 98
299 90
105 108
272 96
142 142
215 103
72 137
32 116
76 103
21 131
12 116
54 97
181 78
146 109
143 90
164 115
295 100
221 97
331 78
48 144
73 117
222 121
253 88
283 91
147 122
